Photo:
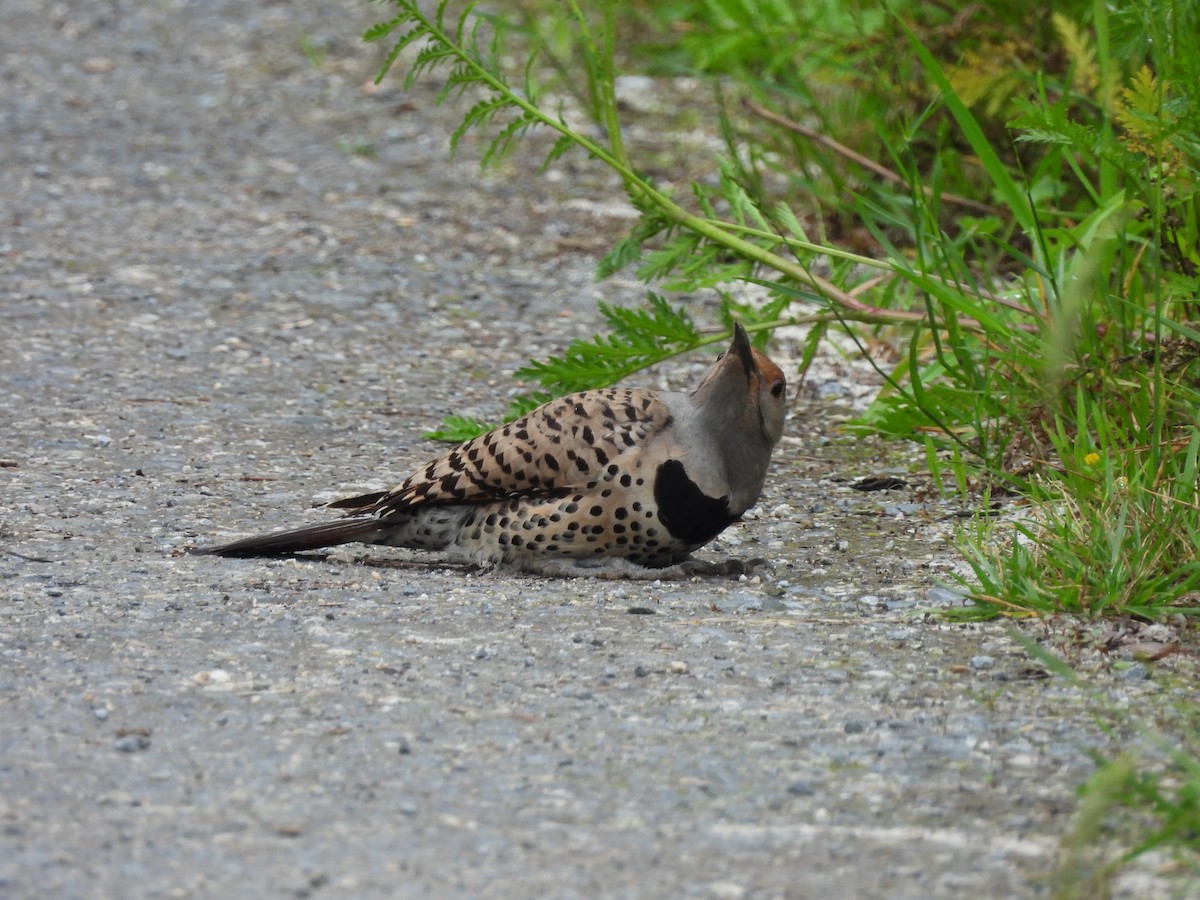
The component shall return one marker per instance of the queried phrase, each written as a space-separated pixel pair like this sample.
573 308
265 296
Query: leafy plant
1033 276
1141 798
725 233
1010 197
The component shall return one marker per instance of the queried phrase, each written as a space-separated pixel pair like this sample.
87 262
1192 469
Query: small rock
982 662
132 743
640 671
726 890
1136 672
940 594
740 601
854 726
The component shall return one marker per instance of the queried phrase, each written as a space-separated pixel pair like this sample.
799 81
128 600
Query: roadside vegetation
1003 198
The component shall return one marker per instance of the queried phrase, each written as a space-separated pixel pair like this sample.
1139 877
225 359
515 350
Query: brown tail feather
358 504
281 543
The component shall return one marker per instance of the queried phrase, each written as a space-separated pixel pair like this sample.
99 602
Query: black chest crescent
690 515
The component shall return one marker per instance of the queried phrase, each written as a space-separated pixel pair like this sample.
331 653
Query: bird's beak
741 349
735 369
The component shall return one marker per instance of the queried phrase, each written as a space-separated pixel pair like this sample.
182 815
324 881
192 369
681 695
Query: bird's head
744 391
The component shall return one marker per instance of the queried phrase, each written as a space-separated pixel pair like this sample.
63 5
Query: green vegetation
1005 194
1146 798
1009 197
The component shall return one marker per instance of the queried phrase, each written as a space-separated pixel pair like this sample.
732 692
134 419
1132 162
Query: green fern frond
754 319
665 260
504 139
457 429
1147 118
405 40
638 338
561 146
383 29
1085 73
631 248
479 114
782 214
524 403
1144 92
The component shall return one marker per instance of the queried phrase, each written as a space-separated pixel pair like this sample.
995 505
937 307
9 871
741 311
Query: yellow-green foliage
1004 68
1146 120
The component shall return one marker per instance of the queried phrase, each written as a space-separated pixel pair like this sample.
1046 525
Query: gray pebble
132 743
940 594
893 510
982 662
1136 672
801 788
739 601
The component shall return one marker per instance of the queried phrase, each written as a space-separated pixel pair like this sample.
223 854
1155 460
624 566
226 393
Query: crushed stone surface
238 280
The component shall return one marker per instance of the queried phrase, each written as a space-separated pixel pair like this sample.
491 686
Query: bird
611 482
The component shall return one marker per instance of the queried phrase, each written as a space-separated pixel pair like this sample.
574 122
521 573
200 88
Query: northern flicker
620 481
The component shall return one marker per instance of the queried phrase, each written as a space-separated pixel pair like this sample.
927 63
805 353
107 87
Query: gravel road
237 281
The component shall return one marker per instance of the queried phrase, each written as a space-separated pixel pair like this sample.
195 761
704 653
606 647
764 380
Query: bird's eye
777 390
720 356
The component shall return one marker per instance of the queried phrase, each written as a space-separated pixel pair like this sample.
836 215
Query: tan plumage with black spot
623 479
